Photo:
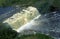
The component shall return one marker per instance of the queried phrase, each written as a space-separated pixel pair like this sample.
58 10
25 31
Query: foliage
6 32
20 2
35 36
57 3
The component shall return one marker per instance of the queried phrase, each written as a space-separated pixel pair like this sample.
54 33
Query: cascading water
48 24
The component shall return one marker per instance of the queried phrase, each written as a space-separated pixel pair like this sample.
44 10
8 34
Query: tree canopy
20 2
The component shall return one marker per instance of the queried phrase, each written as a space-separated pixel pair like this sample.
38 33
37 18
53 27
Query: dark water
6 12
5 9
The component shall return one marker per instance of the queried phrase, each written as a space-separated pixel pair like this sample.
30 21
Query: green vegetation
35 36
19 2
27 2
6 32
57 3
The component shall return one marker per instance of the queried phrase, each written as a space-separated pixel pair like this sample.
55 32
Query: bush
6 32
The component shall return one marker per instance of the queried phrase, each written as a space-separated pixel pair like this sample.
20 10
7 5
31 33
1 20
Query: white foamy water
29 25
25 16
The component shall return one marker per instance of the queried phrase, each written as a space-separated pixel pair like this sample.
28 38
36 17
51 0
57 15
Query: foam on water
28 25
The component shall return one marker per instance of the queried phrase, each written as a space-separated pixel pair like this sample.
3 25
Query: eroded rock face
48 24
